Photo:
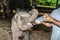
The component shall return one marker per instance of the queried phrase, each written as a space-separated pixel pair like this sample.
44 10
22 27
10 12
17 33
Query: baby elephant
21 23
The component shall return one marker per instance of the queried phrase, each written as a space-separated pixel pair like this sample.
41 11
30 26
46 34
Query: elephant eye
21 17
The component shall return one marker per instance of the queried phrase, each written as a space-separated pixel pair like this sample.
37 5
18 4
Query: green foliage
46 2
58 1
30 2
51 3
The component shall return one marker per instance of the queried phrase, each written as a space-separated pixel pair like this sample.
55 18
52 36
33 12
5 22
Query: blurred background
8 9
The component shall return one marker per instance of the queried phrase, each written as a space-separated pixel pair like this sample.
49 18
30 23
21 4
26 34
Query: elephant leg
14 36
26 35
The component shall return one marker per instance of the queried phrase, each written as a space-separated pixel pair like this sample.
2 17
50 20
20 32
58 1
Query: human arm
41 20
44 23
56 22
48 18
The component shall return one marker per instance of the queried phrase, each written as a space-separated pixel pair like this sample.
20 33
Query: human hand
47 18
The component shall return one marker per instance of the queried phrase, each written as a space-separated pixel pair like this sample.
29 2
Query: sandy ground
5 32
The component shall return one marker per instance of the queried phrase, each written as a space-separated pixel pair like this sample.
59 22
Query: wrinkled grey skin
19 20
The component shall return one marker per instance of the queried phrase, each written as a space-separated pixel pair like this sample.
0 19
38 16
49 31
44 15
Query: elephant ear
16 16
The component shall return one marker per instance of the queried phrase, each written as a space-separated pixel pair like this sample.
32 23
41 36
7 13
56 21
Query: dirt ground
5 32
